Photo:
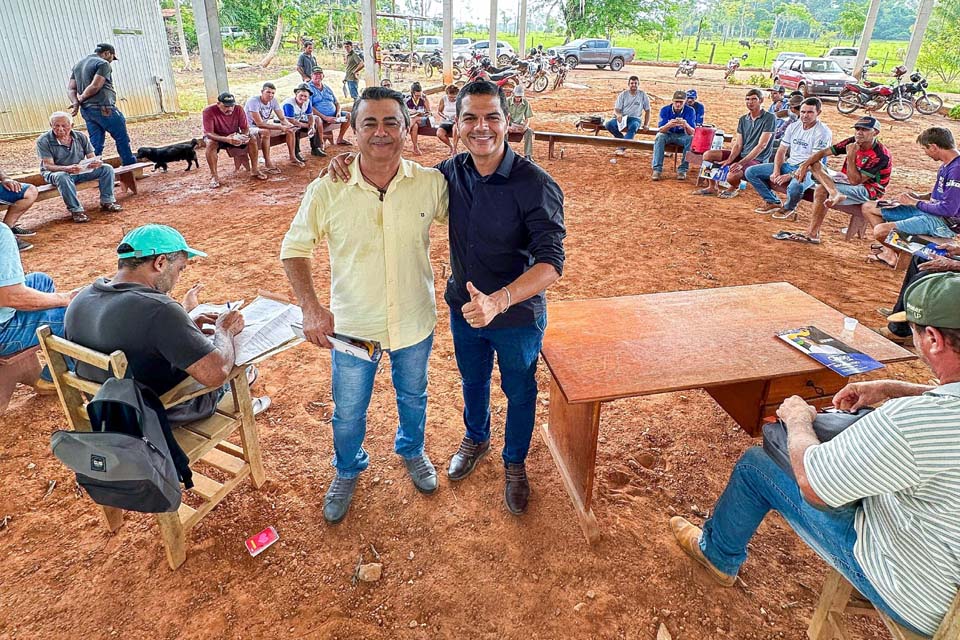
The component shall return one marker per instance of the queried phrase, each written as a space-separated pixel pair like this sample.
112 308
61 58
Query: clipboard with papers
367 350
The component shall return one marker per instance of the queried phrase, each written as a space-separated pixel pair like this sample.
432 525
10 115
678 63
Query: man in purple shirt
933 214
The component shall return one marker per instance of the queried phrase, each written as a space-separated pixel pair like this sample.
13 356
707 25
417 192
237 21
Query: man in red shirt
225 127
865 175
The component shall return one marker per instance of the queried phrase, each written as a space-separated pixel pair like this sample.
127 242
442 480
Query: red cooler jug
702 139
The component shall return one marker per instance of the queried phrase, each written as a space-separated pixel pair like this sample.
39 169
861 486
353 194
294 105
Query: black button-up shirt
500 226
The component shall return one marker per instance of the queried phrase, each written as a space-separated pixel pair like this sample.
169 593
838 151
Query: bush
760 80
955 113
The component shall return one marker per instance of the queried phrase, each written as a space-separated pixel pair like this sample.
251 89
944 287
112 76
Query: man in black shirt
506 248
133 312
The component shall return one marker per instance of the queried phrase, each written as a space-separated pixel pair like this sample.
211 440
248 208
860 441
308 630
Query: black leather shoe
466 458
516 493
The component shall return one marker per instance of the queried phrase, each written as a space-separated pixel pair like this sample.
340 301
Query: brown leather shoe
892 337
466 458
688 537
516 493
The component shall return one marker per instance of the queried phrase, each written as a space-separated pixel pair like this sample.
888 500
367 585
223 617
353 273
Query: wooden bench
203 441
858 223
553 137
127 176
837 598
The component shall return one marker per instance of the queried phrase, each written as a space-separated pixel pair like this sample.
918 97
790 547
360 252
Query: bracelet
509 301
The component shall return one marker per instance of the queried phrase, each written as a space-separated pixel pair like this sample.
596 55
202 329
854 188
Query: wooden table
720 340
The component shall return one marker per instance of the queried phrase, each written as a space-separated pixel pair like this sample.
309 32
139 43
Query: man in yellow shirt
377 228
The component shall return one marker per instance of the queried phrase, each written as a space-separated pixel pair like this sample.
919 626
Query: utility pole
867 35
211 48
522 28
493 32
919 28
368 33
183 40
447 42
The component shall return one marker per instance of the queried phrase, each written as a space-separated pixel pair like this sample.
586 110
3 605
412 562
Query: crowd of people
374 209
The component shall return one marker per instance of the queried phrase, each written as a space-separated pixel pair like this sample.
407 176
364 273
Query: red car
813 76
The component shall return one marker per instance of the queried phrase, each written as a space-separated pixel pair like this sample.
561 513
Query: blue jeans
353 88
911 221
115 124
20 331
662 140
756 486
633 125
759 178
352 388
66 184
517 349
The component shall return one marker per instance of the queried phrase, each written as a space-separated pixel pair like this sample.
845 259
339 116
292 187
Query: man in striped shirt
881 501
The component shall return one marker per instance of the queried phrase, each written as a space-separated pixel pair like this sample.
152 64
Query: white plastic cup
849 324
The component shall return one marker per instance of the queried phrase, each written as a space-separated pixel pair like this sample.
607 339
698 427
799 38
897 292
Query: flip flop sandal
273 170
727 195
80 216
795 237
261 176
704 192
876 259
786 215
261 404
252 374
214 184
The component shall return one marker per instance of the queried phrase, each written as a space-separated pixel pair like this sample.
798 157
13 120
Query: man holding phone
677 122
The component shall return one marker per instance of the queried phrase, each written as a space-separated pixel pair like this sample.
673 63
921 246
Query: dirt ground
456 564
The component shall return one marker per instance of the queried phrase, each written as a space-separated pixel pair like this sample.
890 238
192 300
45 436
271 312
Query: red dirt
456 564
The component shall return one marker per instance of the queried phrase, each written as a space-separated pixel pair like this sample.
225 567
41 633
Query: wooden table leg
571 437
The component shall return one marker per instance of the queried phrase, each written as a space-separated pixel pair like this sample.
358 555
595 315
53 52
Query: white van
846 57
428 44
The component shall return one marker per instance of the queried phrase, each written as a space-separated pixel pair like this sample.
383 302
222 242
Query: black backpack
130 460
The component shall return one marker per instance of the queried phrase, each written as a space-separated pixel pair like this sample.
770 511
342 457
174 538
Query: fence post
883 67
658 50
713 50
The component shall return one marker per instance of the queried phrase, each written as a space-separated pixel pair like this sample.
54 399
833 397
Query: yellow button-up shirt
381 281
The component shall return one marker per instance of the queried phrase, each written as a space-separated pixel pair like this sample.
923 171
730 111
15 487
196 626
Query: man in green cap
133 312
879 501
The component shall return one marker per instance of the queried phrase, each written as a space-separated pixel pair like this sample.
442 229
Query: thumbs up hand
482 309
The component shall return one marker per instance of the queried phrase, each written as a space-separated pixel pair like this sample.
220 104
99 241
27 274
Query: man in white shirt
261 111
879 502
801 139
626 113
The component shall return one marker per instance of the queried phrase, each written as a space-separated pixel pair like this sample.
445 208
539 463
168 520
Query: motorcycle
686 67
431 62
732 65
916 90
501 76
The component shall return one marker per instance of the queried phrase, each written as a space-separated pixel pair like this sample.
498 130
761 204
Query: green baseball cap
932 301
154 240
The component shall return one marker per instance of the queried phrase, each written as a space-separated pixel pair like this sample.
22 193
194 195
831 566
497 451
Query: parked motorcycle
732 65
855 96
686 67
501 76
916 90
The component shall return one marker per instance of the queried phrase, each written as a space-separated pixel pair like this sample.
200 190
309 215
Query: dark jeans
913 274
517 350
757 486
98 125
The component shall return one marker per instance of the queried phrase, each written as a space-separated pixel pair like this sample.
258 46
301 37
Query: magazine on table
916 245
828 351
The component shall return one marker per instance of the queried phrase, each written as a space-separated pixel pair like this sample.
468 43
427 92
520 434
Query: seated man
386 83
801 140
878 501
698 109
626 111
225 127
519 116
752 145
419 107
26 303
61 151
898 329
777 101
677 122
265 120
133 312
866 174
18 196
447 114
299 113
932 214
786 117
327 108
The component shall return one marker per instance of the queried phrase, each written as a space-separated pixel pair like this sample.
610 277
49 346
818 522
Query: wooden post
493 32
522 28
867 35
368 33
713 50
447 41
211 48
183 40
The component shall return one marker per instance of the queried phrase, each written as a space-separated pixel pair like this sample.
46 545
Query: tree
939 53
585 18
852 18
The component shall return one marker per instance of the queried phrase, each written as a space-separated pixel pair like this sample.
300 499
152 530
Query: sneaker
320 153
20 231
422 473
299 157
688 537
336 502
767 208
681 176
656 176
110 207
620 151
23 245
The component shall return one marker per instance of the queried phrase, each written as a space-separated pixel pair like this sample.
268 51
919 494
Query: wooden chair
836 601
203 441
22 367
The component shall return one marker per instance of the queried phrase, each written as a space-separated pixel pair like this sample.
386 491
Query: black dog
160 156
